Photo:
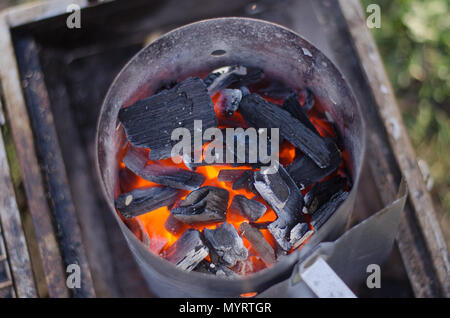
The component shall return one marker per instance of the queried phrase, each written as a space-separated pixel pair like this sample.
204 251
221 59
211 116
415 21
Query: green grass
414 41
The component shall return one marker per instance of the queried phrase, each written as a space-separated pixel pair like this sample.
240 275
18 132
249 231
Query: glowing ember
154 222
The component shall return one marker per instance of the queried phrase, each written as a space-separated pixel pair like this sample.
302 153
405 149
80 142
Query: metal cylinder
197 49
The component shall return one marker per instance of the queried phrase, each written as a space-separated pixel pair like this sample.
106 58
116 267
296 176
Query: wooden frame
420 240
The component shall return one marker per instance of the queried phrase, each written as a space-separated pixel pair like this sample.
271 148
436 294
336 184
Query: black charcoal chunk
230 175
203 206
260 225
272 188
263 114
252 210
326 210
275 89
209 79
235 76
292 105
174 177
215 269
299 234
143 200
321 192
150 122
285 198
305 172
188 251
174 226
246 181
226 246
259 243
228 101
309 99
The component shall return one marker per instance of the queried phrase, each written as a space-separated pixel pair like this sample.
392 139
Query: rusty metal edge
23 138
372 65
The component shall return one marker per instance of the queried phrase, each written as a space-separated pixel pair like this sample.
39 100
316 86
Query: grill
51 115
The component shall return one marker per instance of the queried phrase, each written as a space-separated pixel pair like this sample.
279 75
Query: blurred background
414 41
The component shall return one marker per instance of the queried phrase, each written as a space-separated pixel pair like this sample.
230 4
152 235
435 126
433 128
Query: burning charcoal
174 226
230 175
226 246
234 75
260 225
309 99
229 101
326 210
299 234
272 188
305 172
150 122
283 195
205 205
210 78
188 251
166 85
262 114
275 89
321 192
292 105
245 91
143 200
215 269
246 181
250 209
259 243
174 177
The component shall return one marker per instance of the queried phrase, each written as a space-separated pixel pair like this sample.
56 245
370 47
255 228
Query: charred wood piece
259 243
174 177
226 246
292 105
322 192
275 89
260 225
149 122
188 251
309 102
246 181
228 101
263 114
215 269
305 172
143 200
203 206
326 210
252 210
232 75
285 198
230 175
299 234
174 226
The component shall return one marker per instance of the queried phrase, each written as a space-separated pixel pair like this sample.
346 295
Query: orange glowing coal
153 222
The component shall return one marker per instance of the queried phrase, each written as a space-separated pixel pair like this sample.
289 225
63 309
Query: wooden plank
403 151
41 117
25 148
12 231
380 158
350 39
